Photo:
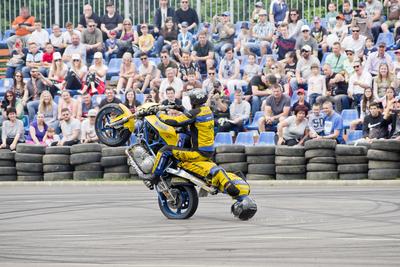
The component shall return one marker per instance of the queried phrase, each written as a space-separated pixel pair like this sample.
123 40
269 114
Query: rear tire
187 205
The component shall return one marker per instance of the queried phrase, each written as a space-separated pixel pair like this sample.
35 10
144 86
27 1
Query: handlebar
152 110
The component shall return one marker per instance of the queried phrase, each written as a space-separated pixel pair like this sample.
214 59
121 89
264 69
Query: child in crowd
47 58
111 47
290 62
185 38
146 41
316 121
251 69
316 84
331 16
369 48
244 37
17 60
50 136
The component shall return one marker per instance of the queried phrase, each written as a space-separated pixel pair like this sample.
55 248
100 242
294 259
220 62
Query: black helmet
244 208
197 97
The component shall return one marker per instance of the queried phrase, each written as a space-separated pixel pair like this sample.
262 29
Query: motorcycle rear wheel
188 201
107 135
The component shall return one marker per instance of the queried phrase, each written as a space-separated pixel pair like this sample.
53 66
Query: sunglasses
356 67
211 73
355 30
306 31
143 58
76 60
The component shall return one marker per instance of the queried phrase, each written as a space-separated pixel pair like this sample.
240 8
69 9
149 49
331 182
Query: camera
358 13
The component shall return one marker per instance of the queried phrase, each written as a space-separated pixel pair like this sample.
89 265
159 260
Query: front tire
188 201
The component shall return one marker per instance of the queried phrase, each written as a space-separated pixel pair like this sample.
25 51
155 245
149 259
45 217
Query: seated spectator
153 96
19 87
294 129
76 47
393 110
242 41
306 39
375 125
111 21
303 68
333 124
176 52
283 43
47 59
278 12
290 63
70 129
39 36
10 101
50 137
208 84
88 132
23 26
112 48
338 32
347 12
382 81
203 53
259 6
316 121
331 15
262 33
316 84
128 42
277 107
34 88
354 42
188 14
48 108
319 33
146 42
251 69
85 104
165 63
37 130
33 59
171 81
92 38
69 31
259 89
169 33
374 10
67 102
186 66
127 73
110 98
57 39
17 60
348 62
336 87
389 96
218 102
377 58
161 14
12 130
191 83
229 72
58 72
225 30
173 101
96 78
396 63
366 100
130 100
76 74
301 101
369 48
88 16
239 113
359 81
295 23
185 38
147 72
393 14
336 59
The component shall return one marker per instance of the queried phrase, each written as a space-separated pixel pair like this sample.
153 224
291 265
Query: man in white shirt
355 41
239 113
377 58
57 39
171 81
358 82
75 48
39 36
88 128
70 129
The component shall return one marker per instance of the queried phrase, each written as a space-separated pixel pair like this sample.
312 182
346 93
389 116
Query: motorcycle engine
143 159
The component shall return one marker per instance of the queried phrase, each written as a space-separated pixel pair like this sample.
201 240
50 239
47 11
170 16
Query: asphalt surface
121 225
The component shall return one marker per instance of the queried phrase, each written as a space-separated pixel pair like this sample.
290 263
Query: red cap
301 91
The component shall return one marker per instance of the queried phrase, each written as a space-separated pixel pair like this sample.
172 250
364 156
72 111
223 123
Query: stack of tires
29 162
8 172
114 162
384 160
261 162
352 162
56 164
232 158
321 161
290 163
86 161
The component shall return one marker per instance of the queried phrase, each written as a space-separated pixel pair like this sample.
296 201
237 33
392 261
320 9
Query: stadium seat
155 60
354 135
140 98
5 84
349 115
324 58
254 124
267 138
25 120
245 138
97 98
56 99
223 139
386 38
114 67
137 62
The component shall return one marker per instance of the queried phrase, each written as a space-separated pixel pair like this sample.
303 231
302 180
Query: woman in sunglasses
58 72
10 100
19 85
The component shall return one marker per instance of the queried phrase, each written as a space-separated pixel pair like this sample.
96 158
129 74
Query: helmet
197 97
244 208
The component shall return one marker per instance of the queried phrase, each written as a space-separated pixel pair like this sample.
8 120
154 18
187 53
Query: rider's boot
151 181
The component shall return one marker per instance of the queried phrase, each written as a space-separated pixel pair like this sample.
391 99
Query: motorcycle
177 195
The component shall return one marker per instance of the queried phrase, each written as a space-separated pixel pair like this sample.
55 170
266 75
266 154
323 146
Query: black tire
116 176
113 151
117 169
351 159
291 169
7 170
386 145
320 144
56 159
284 161
347 150
375 164
269 159
353 176
230 149
7 163
292 176
90 167
114 161
22 173
87 175
190 201
326 160
108 136
230 158
58 176
29 167
259 150
30 178
6 178
84 148
82 158
379 174
383 155
30 149
58 150
235 167
57 168
132 171
29 158
268 169
251 176
6 154
322 175
313 153
353 168
289 151
323 167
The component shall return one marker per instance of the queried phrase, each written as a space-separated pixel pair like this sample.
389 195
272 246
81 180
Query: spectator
289 69
76 74
393 13
382 81
67 102
10 101
203 53
186 66
146 42
96 78
129 40
362 20
331 15
218 102
369 48
375 125
33 59
283 43
188 14
84 105
23 26
239 113
208 84
92 38
389 96
171 98
191 83
69 31
18 86
396 63
333 124
51 137
336 59
316 84
35 86
301 94
17 60
306 39
278 12
337 87
171 81
147 72
374 10
359 81
185 38
294 129
111 21
355 41
339 31
70 129
243 39
130 100
88 132
112 48
303 68
87 16
259 90
176 52
366 100
127 73
377 58
57 39
262 33
58 72
39 35
161 15
12 130
47 59
320 34
76 47
154 96
259 6
277 107
316 121
348 62
251 69
110 98
166 63
229 72
347 12
169 33
37 130
393 110
225 30
48 108
294 23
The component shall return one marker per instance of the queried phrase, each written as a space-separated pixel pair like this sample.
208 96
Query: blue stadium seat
324 23
113 67
140 98
267 138
25 120
137 62
349 115
223 139
391 54
56 99
155 60
97 98
324 58
245 138
354 135
387 38
5 84
254 124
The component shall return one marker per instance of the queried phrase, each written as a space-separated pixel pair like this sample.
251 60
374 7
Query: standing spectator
111 21
127 73
17 60
67 102
377 58
76 74
111 49
18 86
161 15
39 35
331 16
147 72
12 130
84 105
229 72
362 20
374 10
319 33
336 59
382 81
23 26
347 12
225 30
96 78
295 23
333 124
239 113
188 14
37 130
355 41
48 108
92 38
203 53
57 39
33 59
171 81
146 42
283 43
129 40
70 129
306 39
88 132
185 38
303 68
278 12
69 31
294 129
186 66
375 125
359 81
110 98
262 32
87 16
316 121
10 101
76 47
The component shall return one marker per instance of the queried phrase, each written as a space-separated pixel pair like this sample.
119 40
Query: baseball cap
226 14
216 84
76 57
301 91
362 4
92 113
382 44
259 4
349 50
245 25
306 48
317 19
314 65
56 56
98 55
263 13
340 16
185 24
305 28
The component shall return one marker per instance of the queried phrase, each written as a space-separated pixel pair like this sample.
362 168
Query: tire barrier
321 162
29 162
232 158
352 162
114 162
261 162
290 163
56 164
384 160
86 160
8 172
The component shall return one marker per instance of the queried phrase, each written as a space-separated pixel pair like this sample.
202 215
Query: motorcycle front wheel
186 206
109 135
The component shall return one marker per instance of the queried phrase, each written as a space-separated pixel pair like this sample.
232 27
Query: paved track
121 225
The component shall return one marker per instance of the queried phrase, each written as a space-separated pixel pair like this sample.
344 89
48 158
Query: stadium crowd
274 73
